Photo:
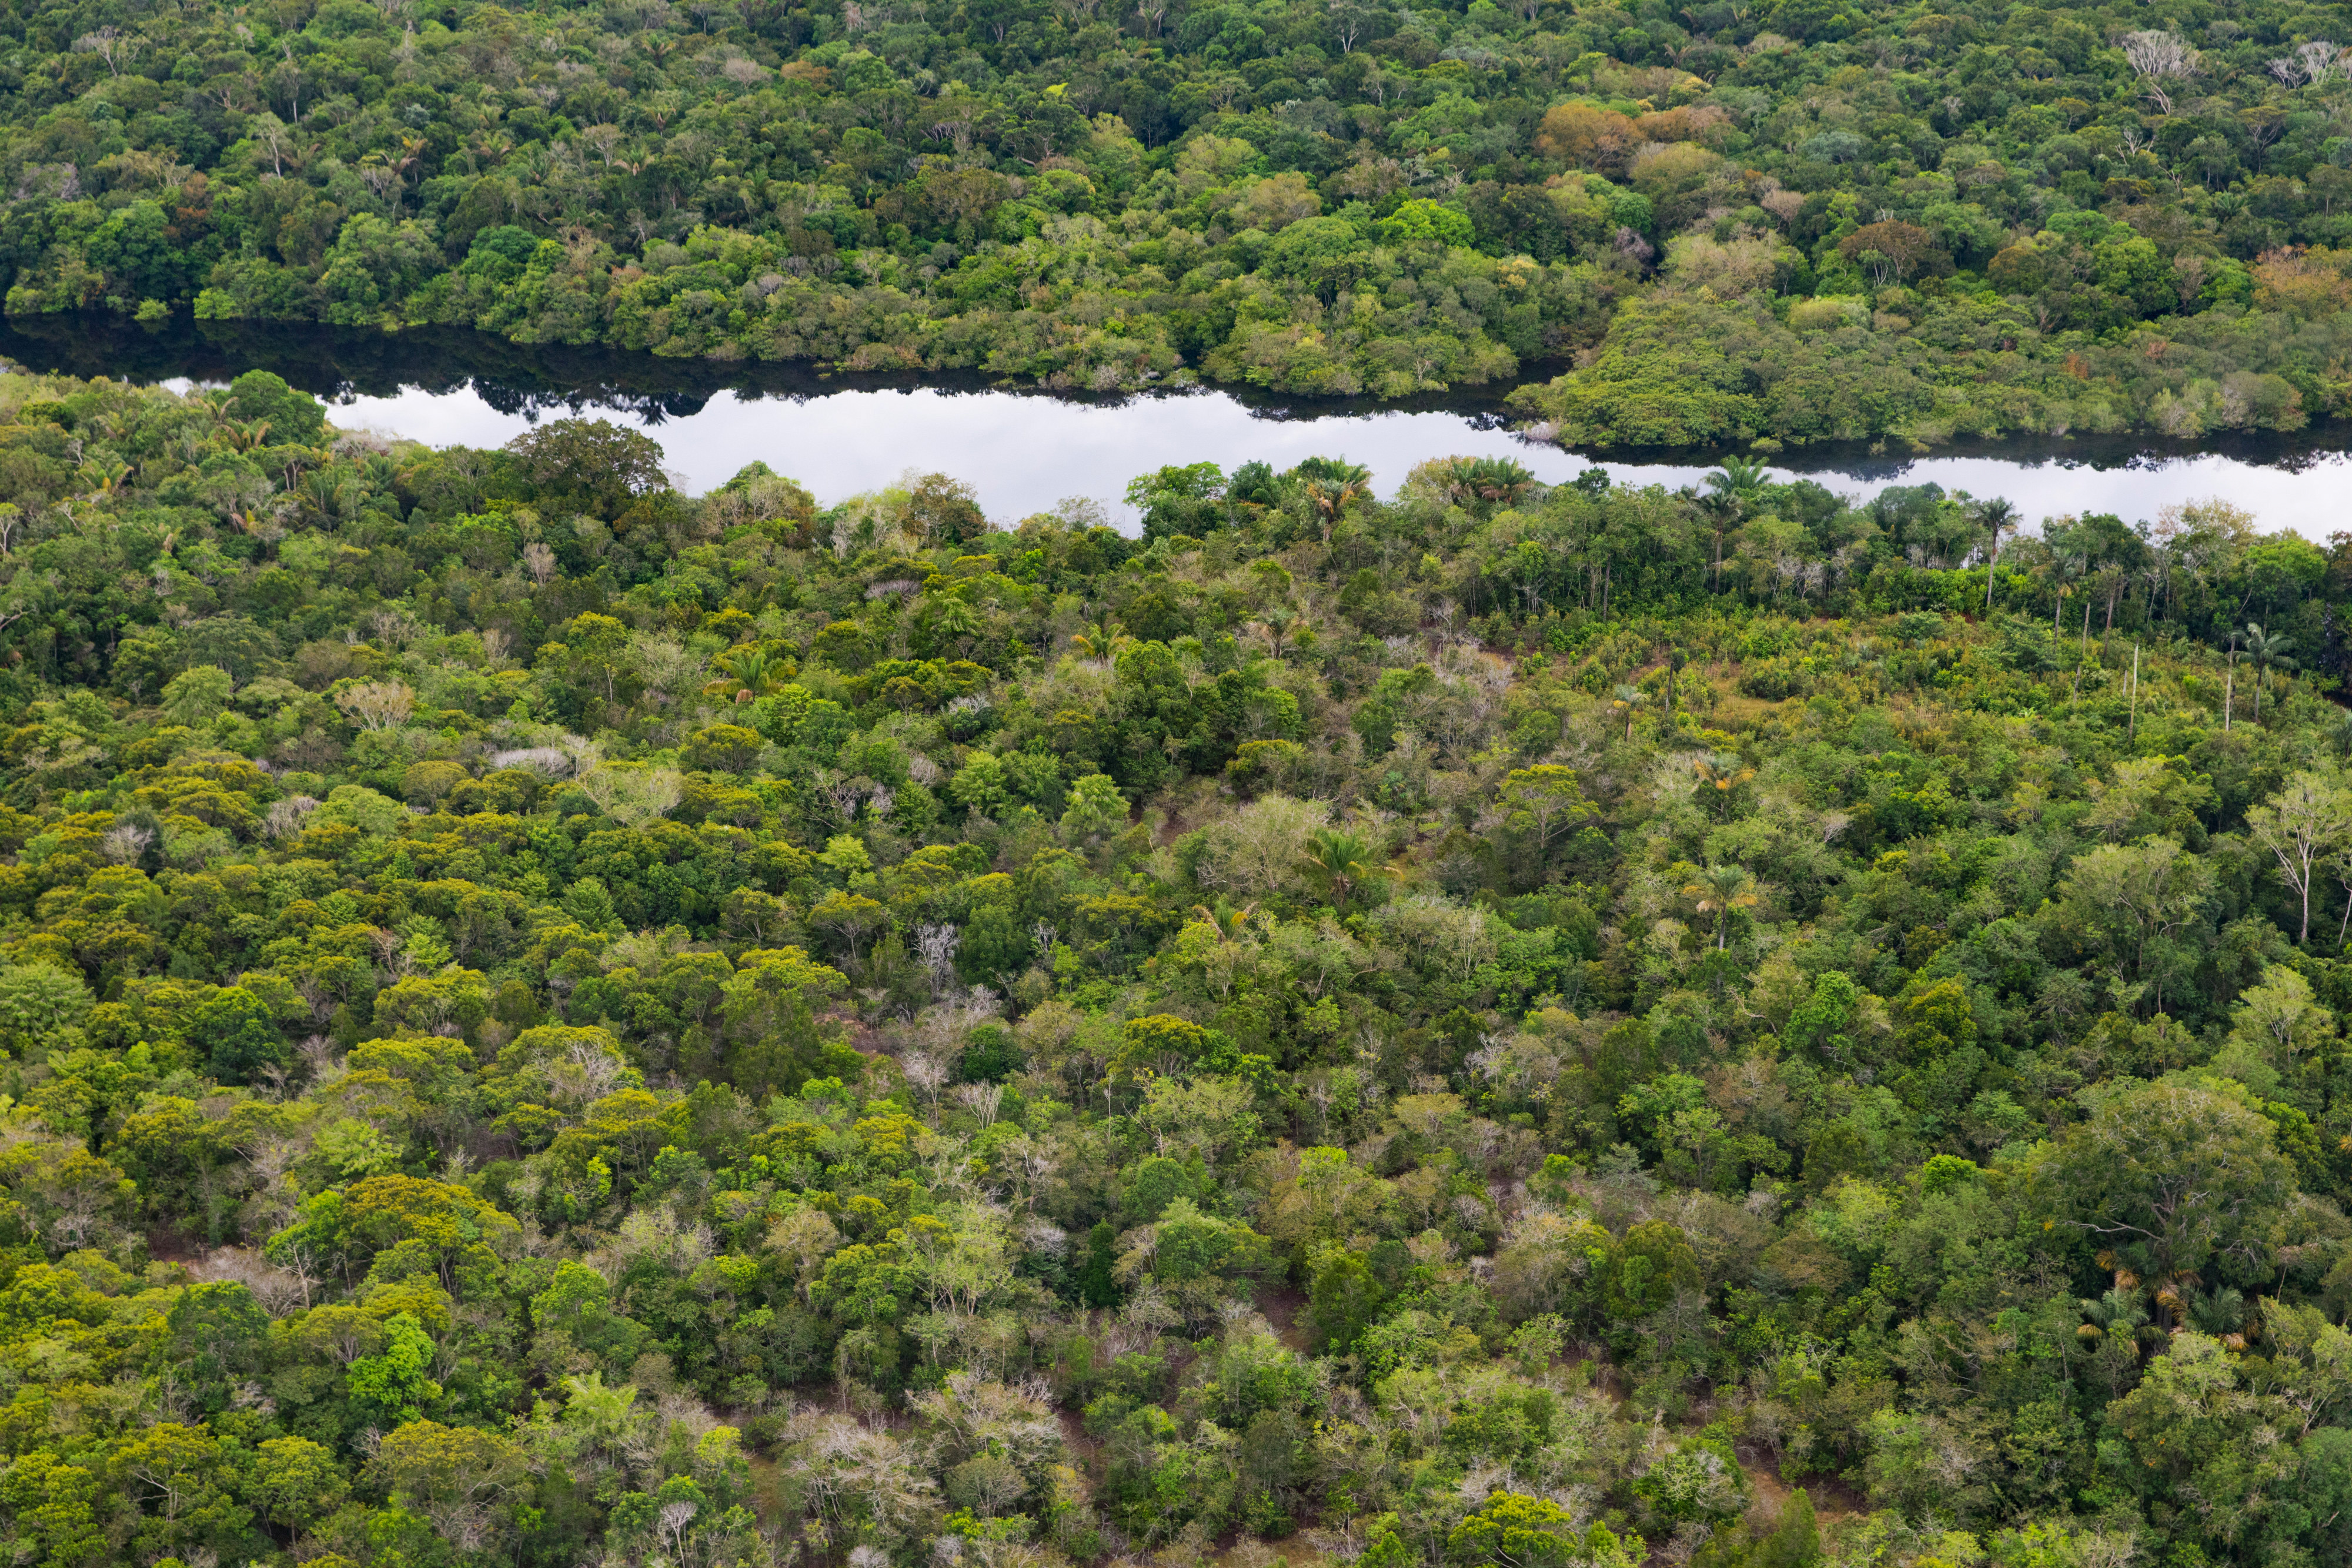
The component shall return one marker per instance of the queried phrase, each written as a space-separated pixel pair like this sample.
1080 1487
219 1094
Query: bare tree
2156 58
936 945
378 705
927 1072
2307 823
1347 25
125 844
981 1099
113 45
632 794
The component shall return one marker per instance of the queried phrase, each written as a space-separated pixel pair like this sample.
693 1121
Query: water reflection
1025 450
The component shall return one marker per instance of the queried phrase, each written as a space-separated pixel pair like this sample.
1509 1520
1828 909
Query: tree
377 704
55 1505
1580 134
239 1037
457 1477
593 648
1344 1299
2279 1025
1651 1263
215 1339
1629 700
1196 1258
179 1477
297 1482
194 696
1545 800
944 510
747 674
1511 1530
1893 249
2266 649
1719 891
633 794
1998 519
1340 860
456 1232
2158 57
2170 1176
1179 500
292 416
590 463
2306 822
1332 484
1096 807
390 1387
1795 1540
2126 896
39 1003
852 915
1734 489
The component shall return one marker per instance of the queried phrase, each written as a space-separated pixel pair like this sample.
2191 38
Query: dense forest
550 1021
1716 224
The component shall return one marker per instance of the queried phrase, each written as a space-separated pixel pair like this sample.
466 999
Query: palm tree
1331 484
1340 860
1722 771
1720 890
1473 480
1998 518
2230 684
104 475
746 672
2266 649
1277 620
1732 489
1103 639
1228 922
1630 699
245 437
2121 1314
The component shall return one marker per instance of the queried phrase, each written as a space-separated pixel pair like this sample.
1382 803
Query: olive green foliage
549 1021
1783 222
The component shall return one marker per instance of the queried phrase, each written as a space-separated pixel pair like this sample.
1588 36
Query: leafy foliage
1782 223
552 1020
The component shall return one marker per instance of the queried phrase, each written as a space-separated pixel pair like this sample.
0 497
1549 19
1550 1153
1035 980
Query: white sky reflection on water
1026 452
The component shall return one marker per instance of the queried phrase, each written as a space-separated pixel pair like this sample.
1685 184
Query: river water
1025 452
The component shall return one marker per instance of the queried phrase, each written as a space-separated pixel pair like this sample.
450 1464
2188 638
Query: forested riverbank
1712 226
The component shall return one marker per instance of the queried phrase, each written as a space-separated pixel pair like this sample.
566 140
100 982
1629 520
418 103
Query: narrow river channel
1025 450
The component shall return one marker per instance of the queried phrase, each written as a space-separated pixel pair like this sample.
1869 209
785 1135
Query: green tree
590 463
1511 1530
38 1004
297 1482
195 696
239 1038
1544 801
1095 808
2169 1175
392 1387
463 1480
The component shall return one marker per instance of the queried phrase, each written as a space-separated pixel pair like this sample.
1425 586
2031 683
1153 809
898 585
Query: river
1025 450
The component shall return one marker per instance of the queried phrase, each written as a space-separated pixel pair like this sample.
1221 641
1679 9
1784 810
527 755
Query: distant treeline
1809 221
